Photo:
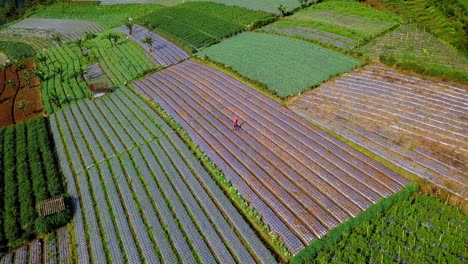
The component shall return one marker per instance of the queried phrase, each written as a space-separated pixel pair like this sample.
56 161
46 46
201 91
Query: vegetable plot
419 125
143 196
302 181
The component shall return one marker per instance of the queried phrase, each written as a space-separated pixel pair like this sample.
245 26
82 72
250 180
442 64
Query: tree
129 24
60 72
115 38
303 3
149 41
79 43
109 36
8 64
22 106
40 74
282 9
27 76
20 66
57 38
54 99
42 59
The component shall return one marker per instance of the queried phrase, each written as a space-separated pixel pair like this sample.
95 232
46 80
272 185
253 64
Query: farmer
235 123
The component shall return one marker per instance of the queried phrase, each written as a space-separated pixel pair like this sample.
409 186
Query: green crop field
16 50
63 68
265 5
422 229
109 16
30 174
286 65
339 23
197 25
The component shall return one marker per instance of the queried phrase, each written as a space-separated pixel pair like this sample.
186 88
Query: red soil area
14 90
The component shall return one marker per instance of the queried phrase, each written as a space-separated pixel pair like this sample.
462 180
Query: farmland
337 23
303 186
62 70
163 52
417 124
197 25
287 66
144 197
16 50
108 16
20 97
413 46
54 248
29 175
70 29
421 229
38 40
270 6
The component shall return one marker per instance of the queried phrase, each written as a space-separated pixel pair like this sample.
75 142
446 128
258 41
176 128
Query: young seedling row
302 181
417 124
143 195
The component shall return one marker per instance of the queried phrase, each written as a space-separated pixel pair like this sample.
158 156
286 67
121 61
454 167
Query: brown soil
10 97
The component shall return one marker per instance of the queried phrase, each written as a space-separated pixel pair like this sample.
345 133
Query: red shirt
236 122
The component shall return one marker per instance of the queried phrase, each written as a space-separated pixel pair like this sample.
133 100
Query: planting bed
30 174
37 39
15 91
163 51
286 65
71 29
54 248
302 181
139 193
200 24
419 125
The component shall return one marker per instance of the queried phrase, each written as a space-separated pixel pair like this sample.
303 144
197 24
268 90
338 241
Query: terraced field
63 69
52 249
302 181
419 125
70 29
163 52
37 39
285 65
410 43
139 194
337 23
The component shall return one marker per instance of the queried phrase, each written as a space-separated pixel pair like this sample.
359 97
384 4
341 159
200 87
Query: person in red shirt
235 123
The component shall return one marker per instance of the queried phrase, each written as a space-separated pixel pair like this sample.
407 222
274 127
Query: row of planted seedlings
178 154
272 239
30 175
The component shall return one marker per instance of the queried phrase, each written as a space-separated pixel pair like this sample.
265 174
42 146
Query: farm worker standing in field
235 123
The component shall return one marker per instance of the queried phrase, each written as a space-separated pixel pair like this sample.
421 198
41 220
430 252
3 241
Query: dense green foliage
197 25
421 229
122 60
286 65
109 16
16 50
265 5
445 19
13 9
340 23
28 174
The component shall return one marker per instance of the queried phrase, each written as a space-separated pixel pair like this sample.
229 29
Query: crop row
61 83
122 61
51 249
163 52
409 128
151 201
329 182
29 175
